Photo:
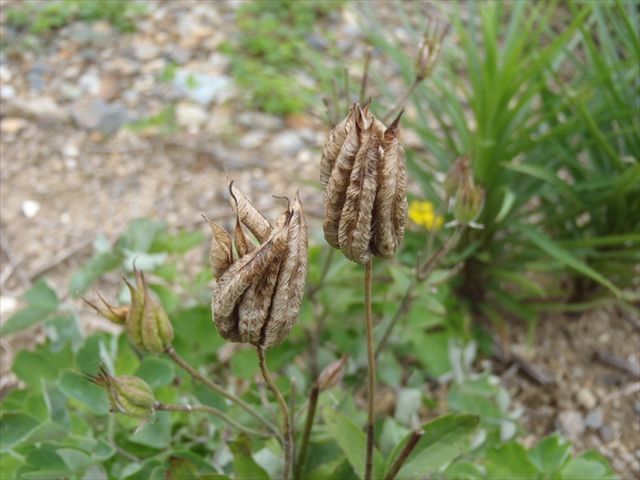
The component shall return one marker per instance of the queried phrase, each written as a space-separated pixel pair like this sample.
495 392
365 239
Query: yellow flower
422 213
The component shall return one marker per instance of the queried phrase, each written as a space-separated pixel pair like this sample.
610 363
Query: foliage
538 96
272 49
44 17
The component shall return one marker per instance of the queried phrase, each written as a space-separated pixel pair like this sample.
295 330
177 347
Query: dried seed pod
127 394
365 204
459 173
258 297
469 202
332 374
117 315
221 255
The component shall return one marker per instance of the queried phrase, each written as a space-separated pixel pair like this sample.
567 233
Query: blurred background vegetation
543 99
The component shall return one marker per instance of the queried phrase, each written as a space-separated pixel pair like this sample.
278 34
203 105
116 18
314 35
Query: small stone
636 407
96 114
252 139
30 208
607 433
12 125
287 143
90 81
146 51
202 88
7 91
190 116
70 150
122 66
594 419
586 398
571 424
7 305
5 73
65 218
41 108
259 120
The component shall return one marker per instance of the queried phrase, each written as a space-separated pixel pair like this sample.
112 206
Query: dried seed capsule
258 297
221 256
459 173
332 374
365 204
116 315
469 202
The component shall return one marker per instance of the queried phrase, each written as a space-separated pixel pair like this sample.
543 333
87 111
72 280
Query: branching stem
196 375
170 407
404 454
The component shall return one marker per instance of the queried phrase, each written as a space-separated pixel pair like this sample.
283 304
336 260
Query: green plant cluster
59 425
271 47
44 17
542 97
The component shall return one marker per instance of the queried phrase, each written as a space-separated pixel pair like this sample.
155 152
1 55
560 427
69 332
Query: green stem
170 407
311 414
182 363
371 360
286 425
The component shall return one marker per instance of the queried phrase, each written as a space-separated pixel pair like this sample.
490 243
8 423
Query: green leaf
31 367
157 372
77 460
180 468
99 264
352 442
79 388
445 439
510 461
244 465
556 251
550 454
41 302
14 428
139 235
180 242
63 329
156 433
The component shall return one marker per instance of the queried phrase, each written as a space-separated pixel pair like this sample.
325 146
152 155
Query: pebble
96 114
70 150
145 51
571 424
30 208
607 433
190 116
12 125
259 120
252 139
586 398
7 91
42 108
594 419
636 407
200 87
90 81
7 304
287 143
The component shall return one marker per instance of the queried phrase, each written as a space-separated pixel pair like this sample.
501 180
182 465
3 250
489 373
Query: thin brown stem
404 98
171 407
347 88
415 437
371 360
423 270
196 375
365 74
286 425
311 414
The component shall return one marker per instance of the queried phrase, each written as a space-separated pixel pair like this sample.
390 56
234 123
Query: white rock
30 208
586 398
190 116
7 304
12 125
146 51
70 150
287 143
7 91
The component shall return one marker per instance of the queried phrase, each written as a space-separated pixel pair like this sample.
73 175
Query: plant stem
311 414
170 407
286 425
423 270
404 98
365 74
404 454
182 363
371 360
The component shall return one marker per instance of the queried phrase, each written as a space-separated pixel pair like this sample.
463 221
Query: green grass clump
41 18
272 45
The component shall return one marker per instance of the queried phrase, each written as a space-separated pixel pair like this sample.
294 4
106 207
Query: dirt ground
66 178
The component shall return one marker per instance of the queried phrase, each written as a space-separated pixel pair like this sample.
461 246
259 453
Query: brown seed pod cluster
259 288
364 175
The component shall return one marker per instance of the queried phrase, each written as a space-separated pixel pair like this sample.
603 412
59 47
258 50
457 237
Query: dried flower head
332 374
468 203
259 289
364 175
147 323
127 394
430 50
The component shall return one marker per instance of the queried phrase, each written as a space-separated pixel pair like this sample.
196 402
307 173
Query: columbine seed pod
469 202
331 375
127 394
258 295
117 315
364 175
